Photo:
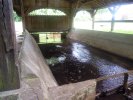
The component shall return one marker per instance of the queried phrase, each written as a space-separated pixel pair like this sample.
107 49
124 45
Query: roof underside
84 4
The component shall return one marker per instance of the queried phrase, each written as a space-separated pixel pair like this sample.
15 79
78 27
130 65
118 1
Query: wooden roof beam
103 3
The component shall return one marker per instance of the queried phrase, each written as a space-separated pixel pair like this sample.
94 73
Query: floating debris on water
58 46
61 58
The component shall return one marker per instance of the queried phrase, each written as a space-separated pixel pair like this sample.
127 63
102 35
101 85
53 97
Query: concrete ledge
77 91
33 65
120 44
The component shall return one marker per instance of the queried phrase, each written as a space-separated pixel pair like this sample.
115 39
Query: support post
23 15
93 13
74 8
113 11
9 77
125 84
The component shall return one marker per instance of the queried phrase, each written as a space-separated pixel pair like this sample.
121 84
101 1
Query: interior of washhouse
72 60
66 50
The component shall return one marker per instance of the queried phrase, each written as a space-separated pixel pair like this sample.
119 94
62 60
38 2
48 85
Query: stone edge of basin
120 44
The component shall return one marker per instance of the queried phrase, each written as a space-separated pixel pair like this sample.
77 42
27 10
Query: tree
16 17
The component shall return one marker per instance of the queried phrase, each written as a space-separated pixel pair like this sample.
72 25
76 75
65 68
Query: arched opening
48 12
49 22
101 18
82 20
124 18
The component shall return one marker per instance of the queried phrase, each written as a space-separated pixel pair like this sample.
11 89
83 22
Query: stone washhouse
86 65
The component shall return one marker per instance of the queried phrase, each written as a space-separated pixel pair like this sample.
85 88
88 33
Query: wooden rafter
85 4
103 3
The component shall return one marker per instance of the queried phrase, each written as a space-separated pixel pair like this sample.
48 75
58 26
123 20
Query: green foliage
52 12
16 17
123 31
102 11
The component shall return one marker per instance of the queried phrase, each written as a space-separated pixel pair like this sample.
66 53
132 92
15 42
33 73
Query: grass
124 31
56 38
118 31
50 38
119 27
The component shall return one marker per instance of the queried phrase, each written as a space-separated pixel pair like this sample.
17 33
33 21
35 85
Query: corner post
113 11
93 13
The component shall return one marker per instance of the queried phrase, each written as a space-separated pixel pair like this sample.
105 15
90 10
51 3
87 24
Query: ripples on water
77 62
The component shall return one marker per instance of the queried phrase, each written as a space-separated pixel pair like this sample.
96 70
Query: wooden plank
47 23
8 71
125 84
45 4
114 76
8 32
3 69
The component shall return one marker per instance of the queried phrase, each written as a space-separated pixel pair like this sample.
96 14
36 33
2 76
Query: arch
101 13
82 20
46 11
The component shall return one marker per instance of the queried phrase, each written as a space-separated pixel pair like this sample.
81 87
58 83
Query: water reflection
75 62
56 60
107 68
52 61
61 58
80 52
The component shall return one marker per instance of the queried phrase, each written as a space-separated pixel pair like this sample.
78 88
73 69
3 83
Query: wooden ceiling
83 4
